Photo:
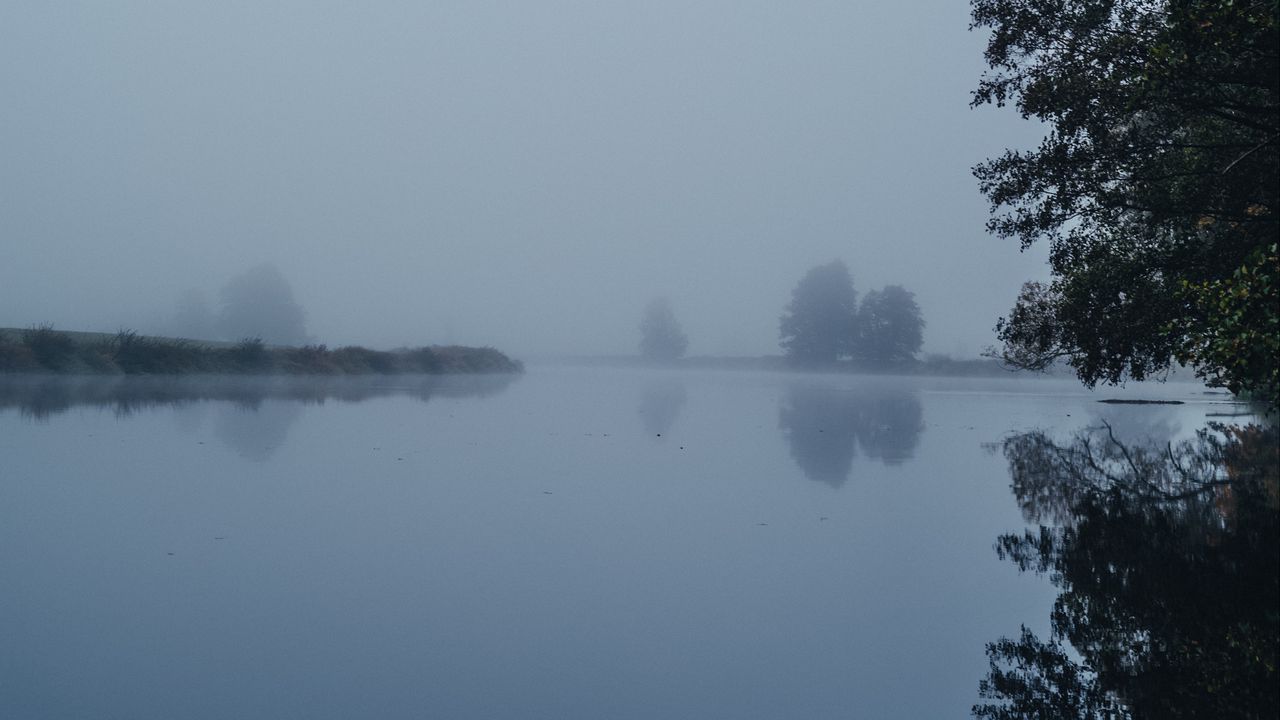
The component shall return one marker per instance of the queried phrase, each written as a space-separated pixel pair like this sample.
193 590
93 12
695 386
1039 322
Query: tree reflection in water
1166 558
256 430
660 405
825 426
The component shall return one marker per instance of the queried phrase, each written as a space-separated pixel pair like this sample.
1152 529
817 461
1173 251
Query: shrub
137 355
308 359
97 357
16 357
422 360
357 360
49 348
249 355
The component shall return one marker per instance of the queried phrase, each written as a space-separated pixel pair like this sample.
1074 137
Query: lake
569 543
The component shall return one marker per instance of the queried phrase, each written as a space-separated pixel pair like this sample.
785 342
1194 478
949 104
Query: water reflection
41 397
824 426
1166 558
255 431
660 405
256 413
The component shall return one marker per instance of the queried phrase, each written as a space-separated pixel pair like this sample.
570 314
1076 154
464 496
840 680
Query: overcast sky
522 174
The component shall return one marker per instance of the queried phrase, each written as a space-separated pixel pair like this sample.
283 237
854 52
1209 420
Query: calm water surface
572 543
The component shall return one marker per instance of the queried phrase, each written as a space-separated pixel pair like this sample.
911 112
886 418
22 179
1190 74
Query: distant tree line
824 323
45 350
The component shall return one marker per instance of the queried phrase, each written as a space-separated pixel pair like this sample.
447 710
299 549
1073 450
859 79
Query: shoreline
43 351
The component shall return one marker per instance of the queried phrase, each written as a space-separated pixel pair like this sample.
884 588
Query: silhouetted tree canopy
1166 558
260 304
661 337
819 323
1156 185
890 327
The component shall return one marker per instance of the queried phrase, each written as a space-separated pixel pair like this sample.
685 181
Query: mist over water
756 467
571 543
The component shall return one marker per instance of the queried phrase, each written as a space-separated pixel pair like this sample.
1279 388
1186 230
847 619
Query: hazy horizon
524 176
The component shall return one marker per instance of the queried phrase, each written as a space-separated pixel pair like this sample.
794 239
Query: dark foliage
1167 561
1156 185
134 354
355 359
249 356
16 356
309 360
49 348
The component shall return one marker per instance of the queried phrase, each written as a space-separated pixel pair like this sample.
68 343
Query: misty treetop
1156 185
259 303
824 324
818 324
890 326
661 337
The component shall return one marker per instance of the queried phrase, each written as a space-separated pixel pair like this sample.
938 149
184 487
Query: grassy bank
45 350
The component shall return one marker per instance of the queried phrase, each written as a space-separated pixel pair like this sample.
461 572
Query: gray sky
522 174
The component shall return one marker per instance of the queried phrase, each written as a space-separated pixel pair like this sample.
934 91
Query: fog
522 175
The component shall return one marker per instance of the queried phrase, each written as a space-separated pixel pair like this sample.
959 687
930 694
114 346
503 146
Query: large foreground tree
1155 186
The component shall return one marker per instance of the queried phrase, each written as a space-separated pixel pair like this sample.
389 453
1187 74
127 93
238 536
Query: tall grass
49 348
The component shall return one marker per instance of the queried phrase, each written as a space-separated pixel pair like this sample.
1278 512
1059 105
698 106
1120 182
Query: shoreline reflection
660 404
39 398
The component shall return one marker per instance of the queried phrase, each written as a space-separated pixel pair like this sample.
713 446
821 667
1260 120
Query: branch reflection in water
825 426
1166 557
255 412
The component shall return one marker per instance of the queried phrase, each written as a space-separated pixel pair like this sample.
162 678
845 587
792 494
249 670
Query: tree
818 325
259 304
660 335
890 327
1156 185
